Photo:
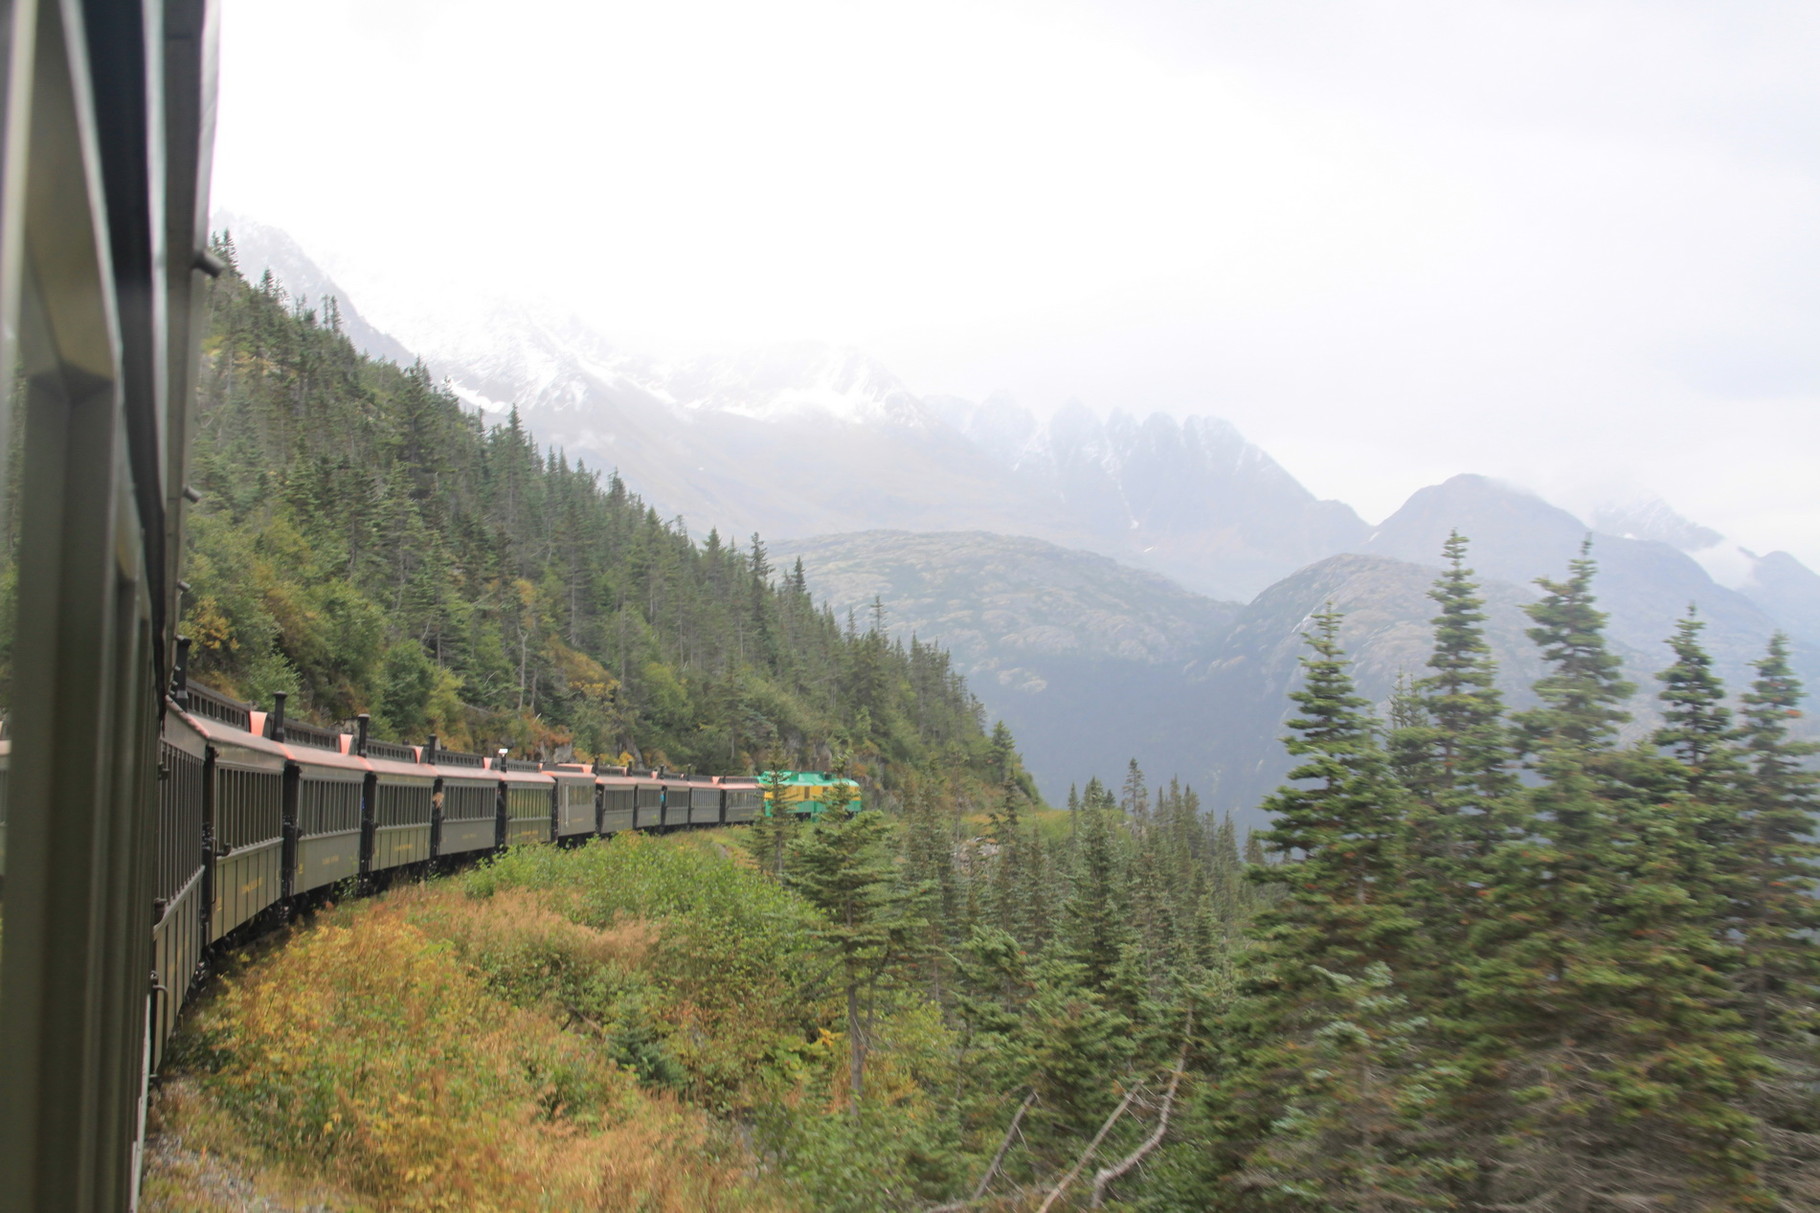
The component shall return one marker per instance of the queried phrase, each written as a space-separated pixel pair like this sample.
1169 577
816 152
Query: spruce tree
1607 1060
1317 1069
1338 826
1697 725
1471 749
842 865
1451 751
1582 690
1096 926
1778 791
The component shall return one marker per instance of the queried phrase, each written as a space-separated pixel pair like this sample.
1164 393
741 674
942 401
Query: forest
1482 959
365 544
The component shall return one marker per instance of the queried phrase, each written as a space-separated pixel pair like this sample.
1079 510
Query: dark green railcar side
468 816
743 799
618 799
530 800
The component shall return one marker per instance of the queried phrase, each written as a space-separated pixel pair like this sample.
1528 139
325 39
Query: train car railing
453 758
392 751
297 733
213 705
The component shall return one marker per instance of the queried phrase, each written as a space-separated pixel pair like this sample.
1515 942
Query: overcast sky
1574 244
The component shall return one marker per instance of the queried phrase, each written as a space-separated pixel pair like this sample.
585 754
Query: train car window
402 806
325 807
464 803
249 807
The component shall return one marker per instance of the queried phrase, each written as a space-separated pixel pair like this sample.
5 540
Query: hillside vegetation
1493 952
368 546
1481 960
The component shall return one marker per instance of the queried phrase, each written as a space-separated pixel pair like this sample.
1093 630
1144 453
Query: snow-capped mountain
1189 497
260 247
1780 585
804 438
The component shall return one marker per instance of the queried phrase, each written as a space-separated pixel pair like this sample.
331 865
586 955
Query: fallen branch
1105 1175
998 1160
1093 1145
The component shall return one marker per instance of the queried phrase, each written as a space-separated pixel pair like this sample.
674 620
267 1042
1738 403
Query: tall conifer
1598 1002
1320 1084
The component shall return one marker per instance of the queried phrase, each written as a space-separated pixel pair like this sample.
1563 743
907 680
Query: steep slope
259 247
1088 661
365 545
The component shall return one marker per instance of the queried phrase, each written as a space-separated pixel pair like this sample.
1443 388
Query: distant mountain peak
1653 520
796 379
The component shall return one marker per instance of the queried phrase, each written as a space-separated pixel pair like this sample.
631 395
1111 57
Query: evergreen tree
1599 1005
1582 690
1096 916
1317 1066
842 865
1338 827
1778 799
1450 750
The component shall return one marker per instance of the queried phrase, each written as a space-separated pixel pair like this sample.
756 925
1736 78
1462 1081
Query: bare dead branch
998 1159
1105 1175
1056 1193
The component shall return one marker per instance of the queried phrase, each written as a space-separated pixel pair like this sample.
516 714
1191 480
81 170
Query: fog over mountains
1113 585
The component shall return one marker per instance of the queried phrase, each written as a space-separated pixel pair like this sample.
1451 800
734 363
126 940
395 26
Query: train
257 815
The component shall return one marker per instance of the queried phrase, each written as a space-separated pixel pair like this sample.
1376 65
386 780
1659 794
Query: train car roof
347 765
472 776
234 745
393 768
613 779
510 776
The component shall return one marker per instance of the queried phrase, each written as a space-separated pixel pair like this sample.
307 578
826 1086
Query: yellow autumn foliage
367 1051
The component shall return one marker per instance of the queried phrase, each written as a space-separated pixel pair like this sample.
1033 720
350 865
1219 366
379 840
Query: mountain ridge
985 507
